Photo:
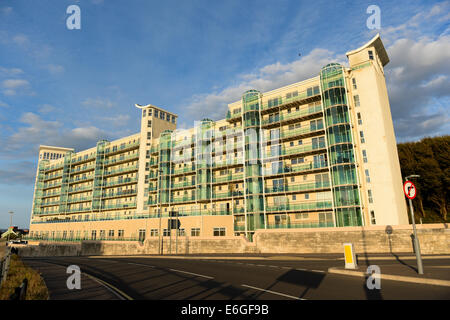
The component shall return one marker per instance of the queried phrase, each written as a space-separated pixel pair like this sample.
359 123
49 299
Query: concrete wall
434 239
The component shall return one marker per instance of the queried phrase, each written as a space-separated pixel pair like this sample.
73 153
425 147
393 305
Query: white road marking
321 271
273 292
140 264
191 273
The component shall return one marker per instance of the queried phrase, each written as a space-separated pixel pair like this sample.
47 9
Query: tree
429 158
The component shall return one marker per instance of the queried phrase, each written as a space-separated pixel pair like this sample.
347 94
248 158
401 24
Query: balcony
121 159
303 113
300 187
307 206
121 170
122 148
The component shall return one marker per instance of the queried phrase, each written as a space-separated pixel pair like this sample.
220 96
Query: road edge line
429 281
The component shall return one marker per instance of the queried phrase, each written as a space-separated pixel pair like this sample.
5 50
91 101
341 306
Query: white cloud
6 10
37 131
55 69
117 121
20 39
214 105
14 83
11 86
97 103
47 108
8 72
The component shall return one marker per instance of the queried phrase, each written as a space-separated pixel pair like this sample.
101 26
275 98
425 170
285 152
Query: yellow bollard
349 256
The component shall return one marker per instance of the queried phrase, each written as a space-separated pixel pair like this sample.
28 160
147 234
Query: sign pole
407 187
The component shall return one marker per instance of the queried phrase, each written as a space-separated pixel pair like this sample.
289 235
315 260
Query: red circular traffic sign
409 189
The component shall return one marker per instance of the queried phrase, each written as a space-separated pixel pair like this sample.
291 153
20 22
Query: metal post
176 238
416 239
159 211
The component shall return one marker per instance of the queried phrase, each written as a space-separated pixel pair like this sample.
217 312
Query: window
149 135
354 83
168 117
141 235
370 54
367 175
369 192
173 119
153 232
273 102
93 234
359 118
166 232
361 134
111 233
219 232
120 233
156 113
364 156
294 197
356 98
195 232
372 217
149 123
181 232
149 112
302 216
306 195
143 113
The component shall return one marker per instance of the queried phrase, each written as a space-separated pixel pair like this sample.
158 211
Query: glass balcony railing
80 189
120 181
80 179
300 225
301 206
122 147
297 168
283 100
221 195
228 178
296 132
296 150
84 168
120 159
300 187
294 115
125 169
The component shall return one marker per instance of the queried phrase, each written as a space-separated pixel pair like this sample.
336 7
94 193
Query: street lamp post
159 211
11 213
416 239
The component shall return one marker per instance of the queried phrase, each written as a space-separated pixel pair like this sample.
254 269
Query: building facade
316 153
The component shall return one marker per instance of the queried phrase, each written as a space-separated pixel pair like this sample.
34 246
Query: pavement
255 277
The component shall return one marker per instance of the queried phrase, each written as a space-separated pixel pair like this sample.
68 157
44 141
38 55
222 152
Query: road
223 279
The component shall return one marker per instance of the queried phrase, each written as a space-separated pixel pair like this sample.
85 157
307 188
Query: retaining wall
434 239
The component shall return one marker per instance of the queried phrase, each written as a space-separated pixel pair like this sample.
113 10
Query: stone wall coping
430 226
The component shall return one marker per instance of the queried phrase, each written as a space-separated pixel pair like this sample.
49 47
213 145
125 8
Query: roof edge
379 47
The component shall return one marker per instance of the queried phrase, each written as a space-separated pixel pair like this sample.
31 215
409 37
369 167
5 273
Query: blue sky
73 87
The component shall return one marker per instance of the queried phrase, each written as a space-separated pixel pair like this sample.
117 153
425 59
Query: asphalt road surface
150 278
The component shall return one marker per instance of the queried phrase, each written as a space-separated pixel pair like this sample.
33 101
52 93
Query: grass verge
37 290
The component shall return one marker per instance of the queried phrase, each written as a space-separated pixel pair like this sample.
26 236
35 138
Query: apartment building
317 153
